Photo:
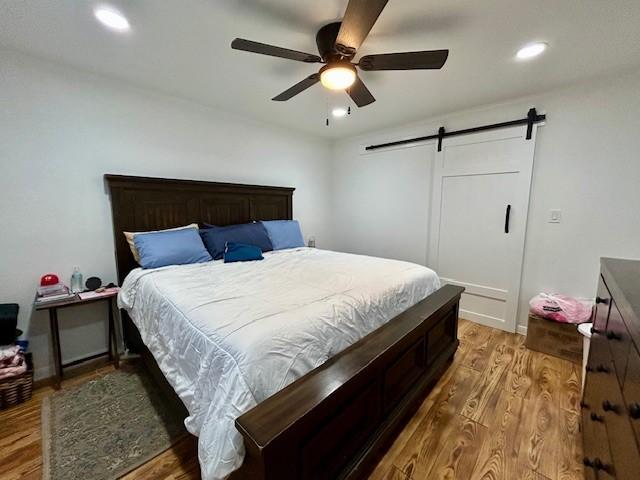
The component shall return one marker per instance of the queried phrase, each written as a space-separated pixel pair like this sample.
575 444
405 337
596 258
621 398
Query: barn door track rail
530 120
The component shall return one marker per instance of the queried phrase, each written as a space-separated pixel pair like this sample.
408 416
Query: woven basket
15 390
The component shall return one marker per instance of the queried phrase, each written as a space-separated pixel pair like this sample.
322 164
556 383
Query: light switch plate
555 216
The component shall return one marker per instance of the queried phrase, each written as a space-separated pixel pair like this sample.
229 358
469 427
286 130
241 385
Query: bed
303 365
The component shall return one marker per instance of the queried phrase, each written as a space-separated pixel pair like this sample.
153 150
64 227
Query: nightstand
53 308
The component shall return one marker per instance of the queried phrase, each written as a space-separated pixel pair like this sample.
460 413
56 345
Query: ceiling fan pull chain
326 100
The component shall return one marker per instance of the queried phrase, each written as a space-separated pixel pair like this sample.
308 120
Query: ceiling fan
337 44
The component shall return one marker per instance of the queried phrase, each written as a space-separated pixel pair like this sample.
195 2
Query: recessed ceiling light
112 18
339 112
531 50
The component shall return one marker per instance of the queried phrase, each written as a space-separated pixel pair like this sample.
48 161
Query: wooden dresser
611 400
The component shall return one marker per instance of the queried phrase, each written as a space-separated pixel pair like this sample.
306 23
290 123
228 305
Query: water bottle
76 281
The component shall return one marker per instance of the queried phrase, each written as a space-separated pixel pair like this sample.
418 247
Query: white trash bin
585 331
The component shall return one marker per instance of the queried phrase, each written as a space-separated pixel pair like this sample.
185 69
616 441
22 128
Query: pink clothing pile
12 362
561 308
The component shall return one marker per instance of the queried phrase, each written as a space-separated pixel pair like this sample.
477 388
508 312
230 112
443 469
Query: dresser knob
600 300
601 368
596 418
584 404
634 410
607 406
587 462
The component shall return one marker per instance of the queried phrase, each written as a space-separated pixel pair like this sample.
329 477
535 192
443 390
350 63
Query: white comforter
227 336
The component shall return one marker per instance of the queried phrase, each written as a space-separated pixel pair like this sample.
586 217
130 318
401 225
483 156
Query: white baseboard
489 321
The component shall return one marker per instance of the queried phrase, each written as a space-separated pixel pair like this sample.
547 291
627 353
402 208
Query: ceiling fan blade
360 94
356 24
310 81
264 49
428 60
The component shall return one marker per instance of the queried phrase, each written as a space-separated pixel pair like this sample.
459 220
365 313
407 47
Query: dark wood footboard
337 421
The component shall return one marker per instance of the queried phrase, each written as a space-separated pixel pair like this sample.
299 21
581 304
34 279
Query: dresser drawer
622 443
631 391
619 341
601 309
599 374
596 447
597 454
599 355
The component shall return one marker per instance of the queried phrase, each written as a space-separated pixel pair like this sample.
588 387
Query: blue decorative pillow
284 234
216 238
170 247
239 252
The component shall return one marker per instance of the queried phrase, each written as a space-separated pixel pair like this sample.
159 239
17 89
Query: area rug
108 426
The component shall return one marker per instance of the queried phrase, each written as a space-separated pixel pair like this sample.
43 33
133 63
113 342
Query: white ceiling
181 47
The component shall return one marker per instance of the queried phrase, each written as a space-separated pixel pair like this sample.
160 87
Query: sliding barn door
478 220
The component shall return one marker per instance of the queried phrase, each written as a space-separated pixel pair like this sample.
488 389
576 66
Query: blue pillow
216 238
239 252
284 234
170 247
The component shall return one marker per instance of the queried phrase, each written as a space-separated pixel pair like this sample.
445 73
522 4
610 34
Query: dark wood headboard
139 204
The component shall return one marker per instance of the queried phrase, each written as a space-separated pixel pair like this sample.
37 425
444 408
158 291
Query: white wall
379 201
61 130
587 164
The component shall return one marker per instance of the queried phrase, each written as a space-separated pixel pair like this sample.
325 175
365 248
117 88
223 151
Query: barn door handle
506 219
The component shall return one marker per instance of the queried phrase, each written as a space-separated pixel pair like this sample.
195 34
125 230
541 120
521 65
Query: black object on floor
8 322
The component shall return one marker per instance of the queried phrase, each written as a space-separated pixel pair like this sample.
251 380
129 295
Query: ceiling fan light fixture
337 76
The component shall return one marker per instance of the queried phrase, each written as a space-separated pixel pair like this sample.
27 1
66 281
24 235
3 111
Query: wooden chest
611 401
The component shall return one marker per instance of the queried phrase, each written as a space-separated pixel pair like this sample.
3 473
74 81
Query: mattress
227 336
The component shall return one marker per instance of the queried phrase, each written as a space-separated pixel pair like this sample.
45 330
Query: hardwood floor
499 412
